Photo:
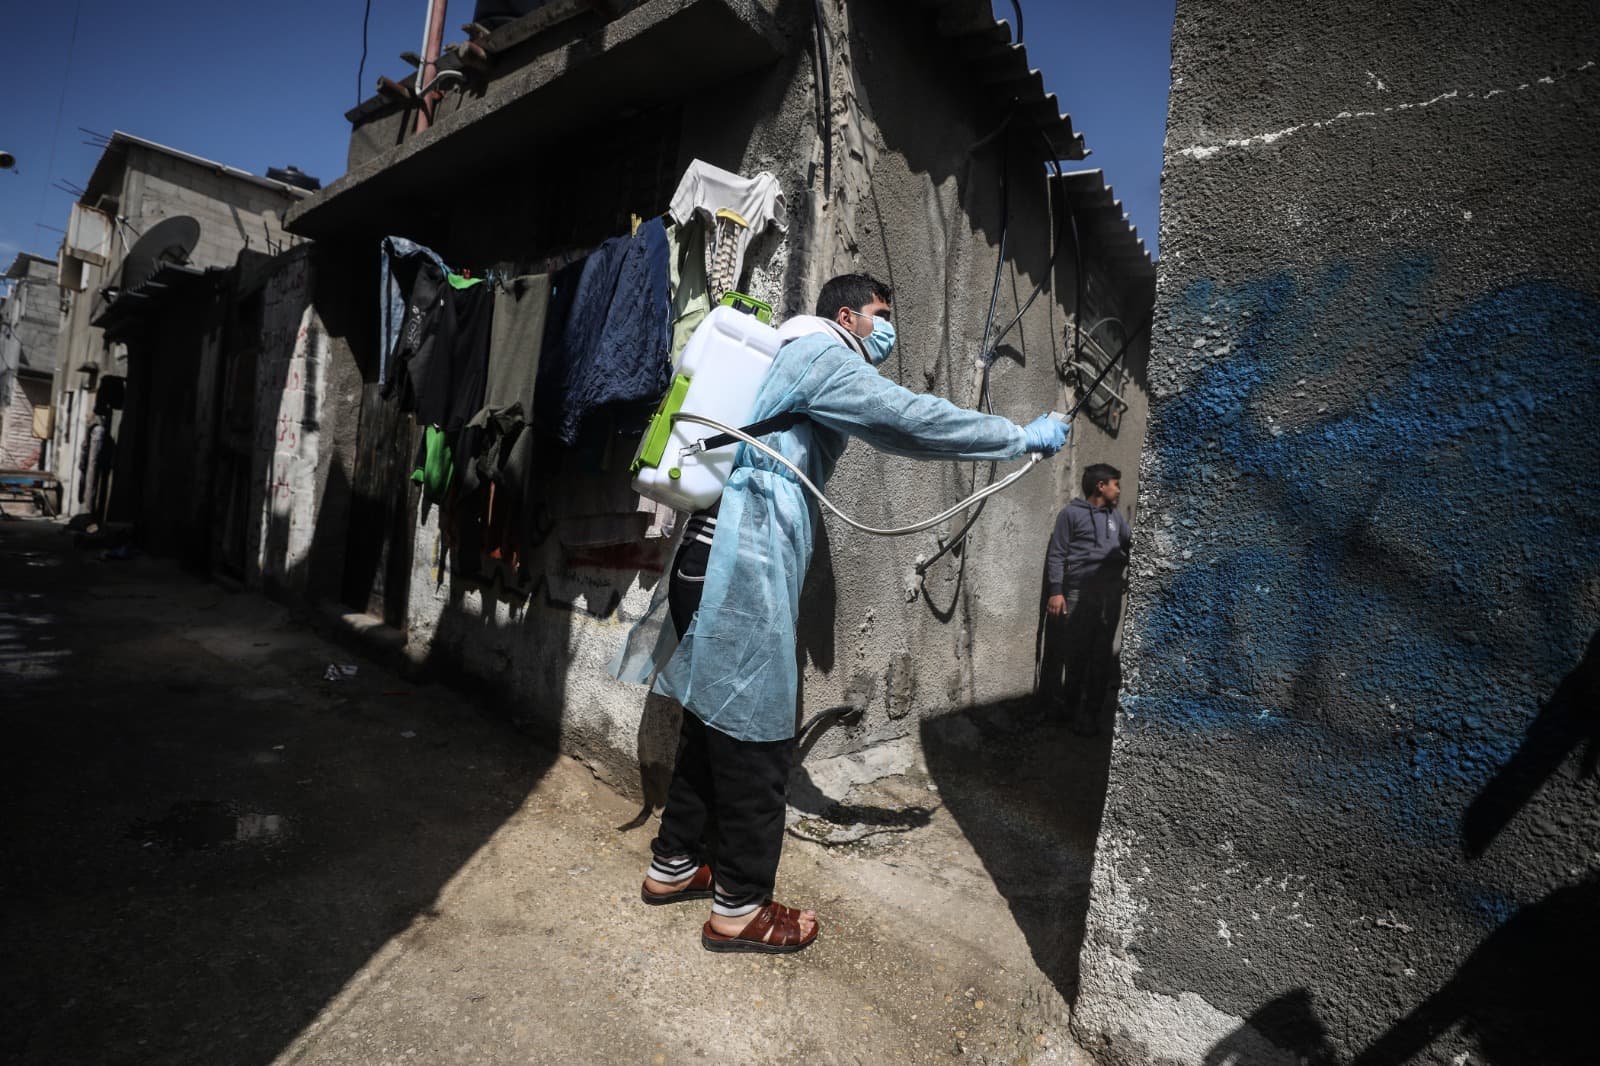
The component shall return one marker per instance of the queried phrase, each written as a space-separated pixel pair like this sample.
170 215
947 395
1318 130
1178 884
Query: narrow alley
216 853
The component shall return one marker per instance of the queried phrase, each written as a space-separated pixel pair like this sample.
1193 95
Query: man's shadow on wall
1568 718
1517 995
1520 998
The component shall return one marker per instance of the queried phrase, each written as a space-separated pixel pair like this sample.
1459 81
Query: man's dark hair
1097 473
854 291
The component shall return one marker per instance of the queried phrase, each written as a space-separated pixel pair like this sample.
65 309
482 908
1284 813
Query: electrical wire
984 493
1016 6
456 75
361 69
824 101
61 104
988 349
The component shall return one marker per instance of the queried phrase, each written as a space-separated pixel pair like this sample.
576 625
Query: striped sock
671 869
731 906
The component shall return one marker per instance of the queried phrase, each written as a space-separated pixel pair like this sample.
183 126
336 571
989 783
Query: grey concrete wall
32 315
234 215
78 345
307 394
1348 818
913 204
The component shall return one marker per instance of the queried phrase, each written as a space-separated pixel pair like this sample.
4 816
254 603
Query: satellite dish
168 241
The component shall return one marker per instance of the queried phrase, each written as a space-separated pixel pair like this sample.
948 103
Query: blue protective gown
736 667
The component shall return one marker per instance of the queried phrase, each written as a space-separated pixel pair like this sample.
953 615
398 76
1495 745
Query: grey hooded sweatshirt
1089 547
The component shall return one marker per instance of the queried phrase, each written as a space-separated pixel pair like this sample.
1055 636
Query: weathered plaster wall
912 202
291 390
1347 816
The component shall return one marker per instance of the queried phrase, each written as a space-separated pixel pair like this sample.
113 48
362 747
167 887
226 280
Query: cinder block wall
1346 819
19 448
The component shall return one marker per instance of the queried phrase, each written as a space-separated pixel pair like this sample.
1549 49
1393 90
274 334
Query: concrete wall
1346 819
31 313
910 203
290 390
234 215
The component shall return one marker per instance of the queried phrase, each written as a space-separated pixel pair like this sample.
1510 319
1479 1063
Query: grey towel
515 340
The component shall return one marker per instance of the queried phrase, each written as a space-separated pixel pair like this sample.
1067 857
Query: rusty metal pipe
390 89
432 45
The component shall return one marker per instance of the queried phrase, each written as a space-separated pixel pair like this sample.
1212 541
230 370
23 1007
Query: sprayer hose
900 531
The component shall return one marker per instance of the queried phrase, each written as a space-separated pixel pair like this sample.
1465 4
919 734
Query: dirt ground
216 854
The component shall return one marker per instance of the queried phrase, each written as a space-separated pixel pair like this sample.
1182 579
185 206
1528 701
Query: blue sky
259 85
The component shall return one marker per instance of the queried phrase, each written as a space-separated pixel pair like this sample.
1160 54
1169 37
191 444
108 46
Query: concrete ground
215 854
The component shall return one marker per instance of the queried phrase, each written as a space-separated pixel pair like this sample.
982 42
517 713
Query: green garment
438 464
686 274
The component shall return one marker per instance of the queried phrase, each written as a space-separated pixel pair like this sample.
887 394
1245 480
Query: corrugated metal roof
1103 223
1001 66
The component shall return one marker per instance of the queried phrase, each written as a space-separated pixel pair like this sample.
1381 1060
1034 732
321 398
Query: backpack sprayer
715 386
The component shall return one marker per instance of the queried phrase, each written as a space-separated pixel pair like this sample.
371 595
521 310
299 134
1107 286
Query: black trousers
726 802
1076 663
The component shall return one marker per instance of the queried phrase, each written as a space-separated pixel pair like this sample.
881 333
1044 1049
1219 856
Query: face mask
881 342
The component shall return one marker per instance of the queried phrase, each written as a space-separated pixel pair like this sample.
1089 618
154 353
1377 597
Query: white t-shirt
707 189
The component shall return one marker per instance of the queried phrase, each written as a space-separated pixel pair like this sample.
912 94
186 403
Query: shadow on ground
1028 795
204 838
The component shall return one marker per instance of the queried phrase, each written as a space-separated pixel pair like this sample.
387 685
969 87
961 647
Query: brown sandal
773 930
697 887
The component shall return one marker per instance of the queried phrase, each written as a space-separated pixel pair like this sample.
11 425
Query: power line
61 104
361 71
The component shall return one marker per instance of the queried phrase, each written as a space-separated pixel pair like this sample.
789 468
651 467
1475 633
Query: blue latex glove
1045 435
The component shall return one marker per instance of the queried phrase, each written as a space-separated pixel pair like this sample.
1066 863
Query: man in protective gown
725 649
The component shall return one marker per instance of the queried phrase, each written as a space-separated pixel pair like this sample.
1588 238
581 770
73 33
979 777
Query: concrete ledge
371 637
637 61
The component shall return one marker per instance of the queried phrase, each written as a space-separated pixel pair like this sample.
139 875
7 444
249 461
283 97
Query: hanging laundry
686 260
402 261
505 458
734 209
607 332
440 361
436 465
469 351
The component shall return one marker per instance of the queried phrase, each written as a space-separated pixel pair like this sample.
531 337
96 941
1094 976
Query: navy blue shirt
1088 547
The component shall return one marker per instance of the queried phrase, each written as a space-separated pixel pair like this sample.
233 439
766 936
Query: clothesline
490 362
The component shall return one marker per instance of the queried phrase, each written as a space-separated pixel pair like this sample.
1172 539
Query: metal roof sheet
1001 66
1103 223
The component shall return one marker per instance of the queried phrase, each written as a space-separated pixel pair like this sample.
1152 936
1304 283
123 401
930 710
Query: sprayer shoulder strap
775 424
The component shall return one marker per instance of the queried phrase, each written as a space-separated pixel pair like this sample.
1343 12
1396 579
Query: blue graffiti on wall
1377 522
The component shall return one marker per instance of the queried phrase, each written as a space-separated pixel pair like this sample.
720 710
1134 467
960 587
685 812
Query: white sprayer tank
721 370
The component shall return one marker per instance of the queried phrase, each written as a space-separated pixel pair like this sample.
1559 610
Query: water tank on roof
292 175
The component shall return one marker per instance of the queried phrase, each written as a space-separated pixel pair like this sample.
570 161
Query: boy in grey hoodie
1083 584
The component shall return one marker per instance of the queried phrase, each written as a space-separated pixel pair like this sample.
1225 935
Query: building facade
105 375
920 157
30 321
